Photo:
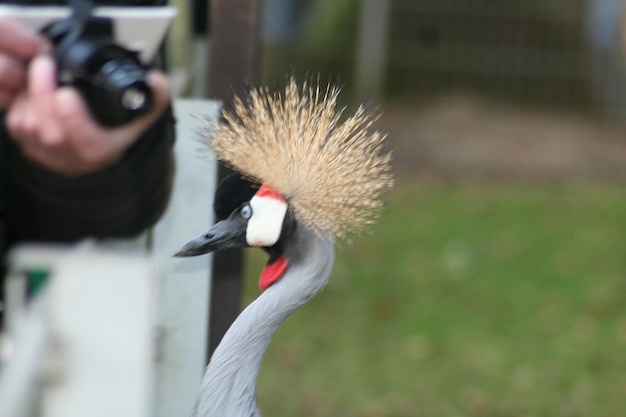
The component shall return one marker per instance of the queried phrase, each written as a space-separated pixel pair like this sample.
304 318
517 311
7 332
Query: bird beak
224 234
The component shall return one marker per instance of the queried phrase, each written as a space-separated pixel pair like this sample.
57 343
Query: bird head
312 167
248 215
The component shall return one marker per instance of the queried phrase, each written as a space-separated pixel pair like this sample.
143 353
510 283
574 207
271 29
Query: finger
6 99
87 139
41 90
162 88
18 41
12 74
11 119
21 120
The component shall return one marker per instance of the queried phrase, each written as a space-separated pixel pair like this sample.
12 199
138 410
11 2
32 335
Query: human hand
18 46
53 126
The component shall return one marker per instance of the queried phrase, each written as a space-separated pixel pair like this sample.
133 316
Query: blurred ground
492 298
464 136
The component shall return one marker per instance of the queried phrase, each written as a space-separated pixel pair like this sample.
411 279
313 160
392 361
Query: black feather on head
232 192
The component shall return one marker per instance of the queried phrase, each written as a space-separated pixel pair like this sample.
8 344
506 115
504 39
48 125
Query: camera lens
126 82
133 98
116 86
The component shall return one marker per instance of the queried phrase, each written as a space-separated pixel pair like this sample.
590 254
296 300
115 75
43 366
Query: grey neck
229 383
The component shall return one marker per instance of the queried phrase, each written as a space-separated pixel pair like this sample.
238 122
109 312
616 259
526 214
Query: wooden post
234 48
372 48
232 66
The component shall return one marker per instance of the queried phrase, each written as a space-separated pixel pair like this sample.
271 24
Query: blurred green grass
491 299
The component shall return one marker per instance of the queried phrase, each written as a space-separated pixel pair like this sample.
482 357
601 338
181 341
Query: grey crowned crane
304 177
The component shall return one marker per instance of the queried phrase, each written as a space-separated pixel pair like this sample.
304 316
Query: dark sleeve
120 201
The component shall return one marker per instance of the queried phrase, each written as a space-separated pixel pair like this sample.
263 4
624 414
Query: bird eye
246 211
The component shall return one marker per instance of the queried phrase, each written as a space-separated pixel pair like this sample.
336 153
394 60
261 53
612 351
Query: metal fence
553 52
549 52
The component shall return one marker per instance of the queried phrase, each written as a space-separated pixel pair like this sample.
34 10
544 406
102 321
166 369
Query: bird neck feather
229 383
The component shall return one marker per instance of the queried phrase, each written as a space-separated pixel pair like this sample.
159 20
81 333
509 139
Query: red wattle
272 272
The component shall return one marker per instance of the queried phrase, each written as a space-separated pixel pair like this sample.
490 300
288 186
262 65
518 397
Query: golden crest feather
332 171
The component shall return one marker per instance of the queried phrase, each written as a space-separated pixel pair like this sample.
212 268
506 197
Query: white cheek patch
266 223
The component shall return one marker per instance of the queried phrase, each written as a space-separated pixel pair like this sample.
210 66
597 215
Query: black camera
111 79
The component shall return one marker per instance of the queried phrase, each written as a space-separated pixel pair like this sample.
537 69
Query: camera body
110 78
